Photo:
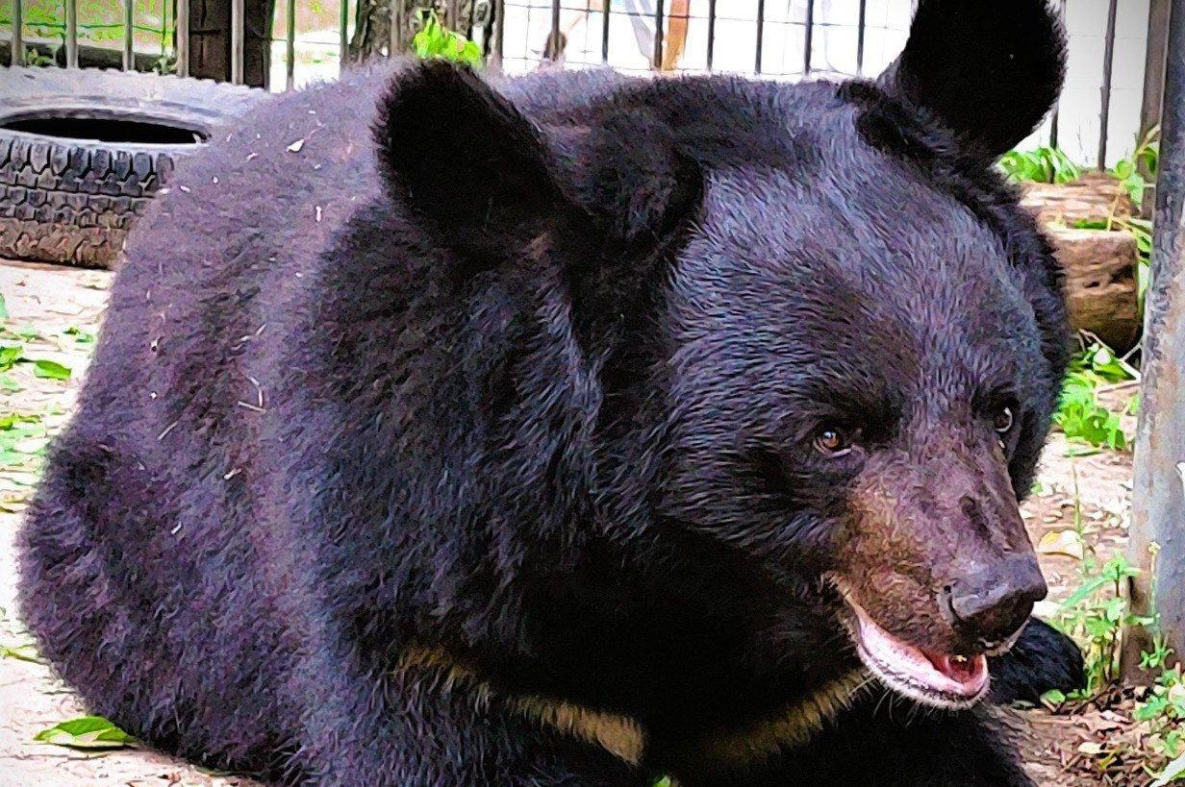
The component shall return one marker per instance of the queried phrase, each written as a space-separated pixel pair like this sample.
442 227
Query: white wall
528 23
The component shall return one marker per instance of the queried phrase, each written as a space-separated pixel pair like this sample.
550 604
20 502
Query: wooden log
1094 197
1100 282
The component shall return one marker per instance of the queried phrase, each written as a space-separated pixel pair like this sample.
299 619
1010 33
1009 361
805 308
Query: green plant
1043 165
1080 414
1095 616
1128 170
434 40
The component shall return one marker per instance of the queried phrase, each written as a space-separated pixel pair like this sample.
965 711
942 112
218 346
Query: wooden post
210 52
1158 493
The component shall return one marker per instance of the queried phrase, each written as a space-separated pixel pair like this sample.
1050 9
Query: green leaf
9 355
50 370
1053 699
80 336
20 653
3 308
1088 588
86 732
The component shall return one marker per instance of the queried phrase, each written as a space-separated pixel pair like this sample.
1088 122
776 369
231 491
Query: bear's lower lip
936 679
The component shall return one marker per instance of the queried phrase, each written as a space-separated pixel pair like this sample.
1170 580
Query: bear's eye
1003 420
834 441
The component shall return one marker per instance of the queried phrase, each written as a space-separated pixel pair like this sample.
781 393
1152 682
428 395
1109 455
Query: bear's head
806 328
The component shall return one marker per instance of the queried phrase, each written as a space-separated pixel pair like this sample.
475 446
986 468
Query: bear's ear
467 162
988 70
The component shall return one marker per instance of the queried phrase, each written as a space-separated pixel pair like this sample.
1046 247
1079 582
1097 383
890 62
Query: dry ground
54 300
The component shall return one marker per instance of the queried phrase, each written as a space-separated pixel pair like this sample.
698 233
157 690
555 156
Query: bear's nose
992 604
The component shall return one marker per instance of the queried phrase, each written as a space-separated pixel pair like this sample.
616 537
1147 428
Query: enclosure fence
681 36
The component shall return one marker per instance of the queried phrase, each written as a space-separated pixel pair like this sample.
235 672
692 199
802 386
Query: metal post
453 13
71 33
182 38
395 41
1158 31
711 32
499 32
605 18
658 35
760 35
1158 494
809 41
18 30
238 35
290 46
1108 68
1056 121
343 35
129 37
1158 27
556 47
861 34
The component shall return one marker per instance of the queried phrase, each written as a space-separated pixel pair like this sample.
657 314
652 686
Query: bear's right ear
467 162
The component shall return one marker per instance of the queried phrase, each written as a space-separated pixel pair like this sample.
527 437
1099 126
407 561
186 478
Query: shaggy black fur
536 386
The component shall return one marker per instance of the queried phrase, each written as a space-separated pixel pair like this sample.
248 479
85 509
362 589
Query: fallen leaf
1062 542
86 732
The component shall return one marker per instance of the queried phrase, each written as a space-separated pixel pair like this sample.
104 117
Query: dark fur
534 392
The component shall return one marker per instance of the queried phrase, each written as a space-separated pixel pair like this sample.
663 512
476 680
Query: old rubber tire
82 152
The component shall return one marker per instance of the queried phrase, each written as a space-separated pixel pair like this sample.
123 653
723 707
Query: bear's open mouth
938 679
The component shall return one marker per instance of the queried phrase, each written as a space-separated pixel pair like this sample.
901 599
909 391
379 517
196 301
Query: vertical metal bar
605 18
71 33
343 35
1055 123
129 37
861 35
556 48
237 37
395 39
1154 73
182 44
1108 68
499 31
658 34
290 46
1158 27
711 32
18 30
809 42
760 35
1158 494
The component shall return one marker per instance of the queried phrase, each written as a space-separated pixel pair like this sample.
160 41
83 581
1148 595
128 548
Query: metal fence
664 27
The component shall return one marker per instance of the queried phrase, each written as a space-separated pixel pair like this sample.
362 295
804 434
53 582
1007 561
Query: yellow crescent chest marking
626 738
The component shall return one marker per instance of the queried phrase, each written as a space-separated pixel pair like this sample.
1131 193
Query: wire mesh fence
774 39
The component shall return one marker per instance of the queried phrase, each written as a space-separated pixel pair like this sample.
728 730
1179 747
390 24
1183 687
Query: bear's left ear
470 166
988 70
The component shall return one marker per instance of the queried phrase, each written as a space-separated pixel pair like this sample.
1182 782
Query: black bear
578 430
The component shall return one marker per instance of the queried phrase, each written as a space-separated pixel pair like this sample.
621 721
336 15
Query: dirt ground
64 305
